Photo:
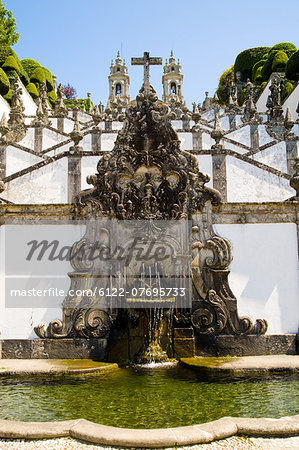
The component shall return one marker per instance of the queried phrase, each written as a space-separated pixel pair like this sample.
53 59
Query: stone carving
16 123
217 133
60 109
76 135
288 124
44 103
294 181
250 111
147 176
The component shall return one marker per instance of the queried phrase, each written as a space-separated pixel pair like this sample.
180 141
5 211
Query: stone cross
146 61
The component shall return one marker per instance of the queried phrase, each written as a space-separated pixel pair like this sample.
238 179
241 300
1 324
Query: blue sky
77 39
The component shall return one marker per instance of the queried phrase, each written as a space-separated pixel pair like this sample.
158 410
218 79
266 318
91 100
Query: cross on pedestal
146 61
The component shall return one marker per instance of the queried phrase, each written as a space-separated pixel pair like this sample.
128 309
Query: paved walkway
288 363
52 366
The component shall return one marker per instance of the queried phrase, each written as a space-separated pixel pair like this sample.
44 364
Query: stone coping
151 438
14 367
243 364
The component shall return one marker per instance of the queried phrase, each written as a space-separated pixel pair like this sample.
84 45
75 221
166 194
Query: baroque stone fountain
149 190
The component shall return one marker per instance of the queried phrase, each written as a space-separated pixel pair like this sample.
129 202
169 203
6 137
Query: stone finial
16 121
289 121
60 110
294 181
217 133
97 116
250 111
76 135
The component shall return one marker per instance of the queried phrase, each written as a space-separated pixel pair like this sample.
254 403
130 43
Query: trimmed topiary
11 64
263 85
30 65
4 83
224 81
267 67
286 90
52 97
247 59
285 46
12 74
258 76
31 88
279 61
49 79
38 76
292 67
8 96
257 65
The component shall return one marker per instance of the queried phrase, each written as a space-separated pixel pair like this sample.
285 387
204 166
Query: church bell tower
172 81
119 82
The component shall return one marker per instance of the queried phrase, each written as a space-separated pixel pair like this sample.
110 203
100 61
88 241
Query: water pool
147 398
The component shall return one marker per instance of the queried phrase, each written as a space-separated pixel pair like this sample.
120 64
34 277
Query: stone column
3 153
219 172
254 136
60 124
291 150
74 176
38 139
232 121
196 140
96 139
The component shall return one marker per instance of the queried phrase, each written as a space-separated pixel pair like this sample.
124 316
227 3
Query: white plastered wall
264 273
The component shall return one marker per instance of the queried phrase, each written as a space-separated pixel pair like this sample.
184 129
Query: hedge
224 81
258 75
285 46
12 74
38 76
279 61
286 90
292 67
247 59
5 52
49 79
31 88
52 97
8 96
257 65
30 65
4 83
11 64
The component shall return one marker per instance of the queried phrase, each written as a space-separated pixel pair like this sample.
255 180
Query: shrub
257 65
263 85
224 81
12 74
29 65
38 76
8 96
11 64
279 61
292 67
258 76
247 59
4 83
286 90
284 46
267 67
49 79
31 88
52 97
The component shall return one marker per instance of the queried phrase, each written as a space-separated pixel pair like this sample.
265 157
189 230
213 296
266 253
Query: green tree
8 34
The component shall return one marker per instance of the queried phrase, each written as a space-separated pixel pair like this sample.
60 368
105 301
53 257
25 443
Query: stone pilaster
60 124
254 136
3 151
196 140
291 150
219 172
38 139
232 121
96 139
74 176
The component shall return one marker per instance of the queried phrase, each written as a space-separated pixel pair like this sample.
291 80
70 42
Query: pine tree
8 34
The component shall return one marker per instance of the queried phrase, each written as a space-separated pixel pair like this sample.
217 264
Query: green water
147 398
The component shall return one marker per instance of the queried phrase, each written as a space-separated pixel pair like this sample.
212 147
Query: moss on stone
4 83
